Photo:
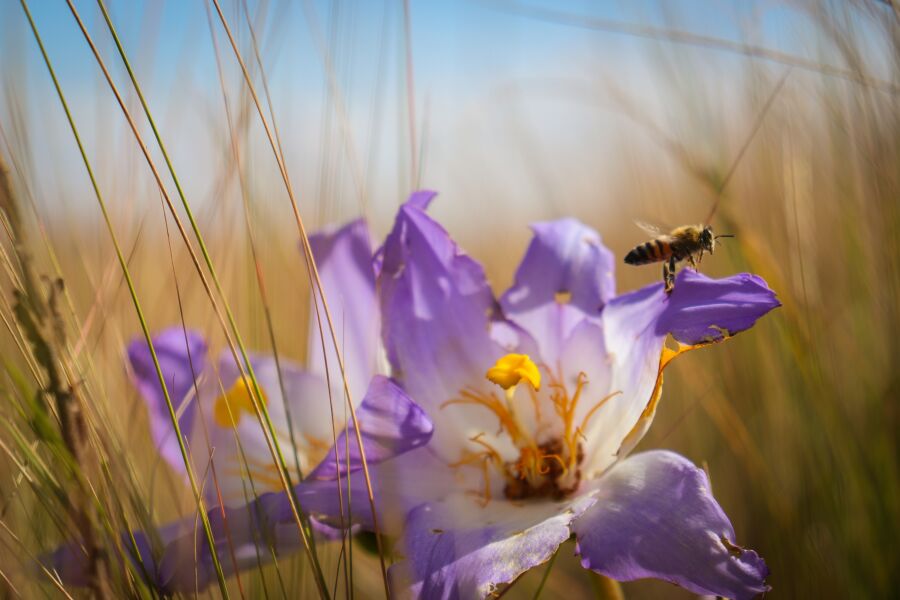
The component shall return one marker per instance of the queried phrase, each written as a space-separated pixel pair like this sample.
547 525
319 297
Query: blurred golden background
786 114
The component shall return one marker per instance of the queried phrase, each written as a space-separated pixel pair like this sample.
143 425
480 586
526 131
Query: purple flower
215 409
537 400
214 400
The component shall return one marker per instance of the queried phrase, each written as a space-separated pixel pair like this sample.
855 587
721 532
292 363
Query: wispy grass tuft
794 149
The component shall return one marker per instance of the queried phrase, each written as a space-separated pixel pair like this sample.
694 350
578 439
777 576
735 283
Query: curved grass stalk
137 306
251 236
314 272
230 329
334 435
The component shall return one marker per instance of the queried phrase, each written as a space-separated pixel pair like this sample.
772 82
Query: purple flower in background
214 402
215 409
537 399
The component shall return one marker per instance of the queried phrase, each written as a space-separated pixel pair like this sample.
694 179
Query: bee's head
707 239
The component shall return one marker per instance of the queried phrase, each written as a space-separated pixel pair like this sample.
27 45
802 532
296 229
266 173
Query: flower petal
398 485
584 352
699 311
565 276
245 537
420 199
655 516
252 528
435 305
303 438
72 565
392 427
458 548
390 424
182 358
247 528
344 260
702 310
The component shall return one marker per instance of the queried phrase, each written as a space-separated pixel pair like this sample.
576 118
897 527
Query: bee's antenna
731 235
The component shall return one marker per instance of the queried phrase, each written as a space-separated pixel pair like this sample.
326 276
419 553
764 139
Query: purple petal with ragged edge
566 275
420 199
435 306
459 548
701 309
182 358
390 424
655 516
635 326
344 261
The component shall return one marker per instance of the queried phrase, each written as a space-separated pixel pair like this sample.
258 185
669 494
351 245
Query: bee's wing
650 229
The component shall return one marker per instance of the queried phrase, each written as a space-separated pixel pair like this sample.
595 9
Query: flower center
549 449
229 407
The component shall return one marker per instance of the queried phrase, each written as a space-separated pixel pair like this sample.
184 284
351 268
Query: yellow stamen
263 475
509 370
263 479
549 468
493 404
229 406
595 408
533 462
488 456
491 451
470 458
558 458
316 448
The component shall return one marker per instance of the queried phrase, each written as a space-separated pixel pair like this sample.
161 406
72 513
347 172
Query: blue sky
455 43
504 100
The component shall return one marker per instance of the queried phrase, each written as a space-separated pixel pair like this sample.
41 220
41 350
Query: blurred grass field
796 421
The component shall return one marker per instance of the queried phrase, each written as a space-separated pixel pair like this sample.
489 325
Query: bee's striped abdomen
649 252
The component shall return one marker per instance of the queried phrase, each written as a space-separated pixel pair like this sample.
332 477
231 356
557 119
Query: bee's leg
669 275
692 261
700 258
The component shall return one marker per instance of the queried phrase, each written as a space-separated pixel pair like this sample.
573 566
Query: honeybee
682 243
